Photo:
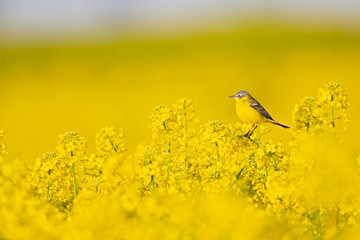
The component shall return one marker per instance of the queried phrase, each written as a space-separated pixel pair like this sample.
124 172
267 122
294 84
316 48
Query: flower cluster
110 140
323 111
192 181
309 114
335 99
23 213
71 146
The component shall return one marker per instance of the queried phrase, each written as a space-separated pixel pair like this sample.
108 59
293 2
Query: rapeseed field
46 90
193 180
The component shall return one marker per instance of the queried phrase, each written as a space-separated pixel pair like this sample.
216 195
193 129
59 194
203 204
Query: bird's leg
253 130
249 133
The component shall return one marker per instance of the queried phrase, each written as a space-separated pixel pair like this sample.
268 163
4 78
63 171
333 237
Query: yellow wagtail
250 111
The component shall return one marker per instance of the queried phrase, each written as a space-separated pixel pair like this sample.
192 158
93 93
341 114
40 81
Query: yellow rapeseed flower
191 181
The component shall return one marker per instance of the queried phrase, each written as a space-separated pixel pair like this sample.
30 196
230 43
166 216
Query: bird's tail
279 124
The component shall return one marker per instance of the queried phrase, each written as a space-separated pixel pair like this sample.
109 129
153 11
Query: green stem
239 173
112 144
51 197
199 181
332 117
186 132
217 151
166 132
266 172
151 185
73 170
275 165
47 190
332 112
48 198
258 142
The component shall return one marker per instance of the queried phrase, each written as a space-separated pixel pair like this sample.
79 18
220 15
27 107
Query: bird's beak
232 96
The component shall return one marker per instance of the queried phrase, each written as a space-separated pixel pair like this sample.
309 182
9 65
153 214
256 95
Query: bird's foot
248 136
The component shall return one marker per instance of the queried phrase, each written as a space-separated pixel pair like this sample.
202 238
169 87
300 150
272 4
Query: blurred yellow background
47 90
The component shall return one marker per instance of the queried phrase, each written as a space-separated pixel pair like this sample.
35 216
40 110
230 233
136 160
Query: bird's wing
255 104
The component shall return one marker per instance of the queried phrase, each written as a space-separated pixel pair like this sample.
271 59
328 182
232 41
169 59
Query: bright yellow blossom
191 181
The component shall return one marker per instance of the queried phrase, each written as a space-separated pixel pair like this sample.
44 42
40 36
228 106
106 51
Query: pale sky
33 17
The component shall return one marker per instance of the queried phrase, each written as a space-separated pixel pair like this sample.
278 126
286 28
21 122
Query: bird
250 111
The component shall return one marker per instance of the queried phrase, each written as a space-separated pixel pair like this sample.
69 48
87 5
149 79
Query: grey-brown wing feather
255 104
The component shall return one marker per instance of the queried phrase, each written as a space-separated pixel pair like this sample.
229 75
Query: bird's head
240 94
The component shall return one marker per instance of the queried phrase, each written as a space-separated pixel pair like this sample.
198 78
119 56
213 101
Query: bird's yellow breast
246 113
